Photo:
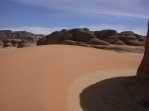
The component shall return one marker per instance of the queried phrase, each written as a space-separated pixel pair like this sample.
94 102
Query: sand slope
44 78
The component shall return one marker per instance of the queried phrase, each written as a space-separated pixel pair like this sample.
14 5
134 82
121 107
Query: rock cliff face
143 70
141 86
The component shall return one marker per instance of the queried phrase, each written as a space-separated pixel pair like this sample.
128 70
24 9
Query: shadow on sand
109 95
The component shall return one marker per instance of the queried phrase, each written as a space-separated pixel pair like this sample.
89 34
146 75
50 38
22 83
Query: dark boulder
140 38
58 36
82 35
114 40
105 33
54 38
133 42
41 41
97 41
127 37
66 36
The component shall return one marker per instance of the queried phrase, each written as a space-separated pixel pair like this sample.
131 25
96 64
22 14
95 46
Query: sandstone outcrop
129 38
143 70
82 35
105 33
58 37
23 35
138 87
41 41
97 41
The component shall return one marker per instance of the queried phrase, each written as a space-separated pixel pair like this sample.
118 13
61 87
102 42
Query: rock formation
129 38
105 33
82 35
138 86
97 41
143 76
13 38
41 41
23 35
87 37
143 70
77 36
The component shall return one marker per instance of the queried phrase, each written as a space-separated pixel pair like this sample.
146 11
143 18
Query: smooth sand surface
51 78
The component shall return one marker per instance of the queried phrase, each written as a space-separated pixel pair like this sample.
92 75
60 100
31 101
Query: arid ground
66 78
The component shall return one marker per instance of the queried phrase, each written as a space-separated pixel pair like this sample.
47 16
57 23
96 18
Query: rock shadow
109 95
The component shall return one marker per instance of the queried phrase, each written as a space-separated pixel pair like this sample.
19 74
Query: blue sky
45 16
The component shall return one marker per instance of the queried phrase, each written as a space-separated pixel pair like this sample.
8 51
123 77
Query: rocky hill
85 36
12 38
23 35
104 39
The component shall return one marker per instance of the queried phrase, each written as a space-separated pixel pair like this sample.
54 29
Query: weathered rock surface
41 41
104 37
54 38
82 35
58 37
16 36
138 87
105 33
75 36
97 41
143 70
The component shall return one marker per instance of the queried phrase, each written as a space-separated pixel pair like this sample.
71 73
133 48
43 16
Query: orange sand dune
44 78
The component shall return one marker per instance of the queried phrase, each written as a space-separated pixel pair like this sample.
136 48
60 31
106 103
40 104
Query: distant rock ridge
85 36
10 38
77 36
22 35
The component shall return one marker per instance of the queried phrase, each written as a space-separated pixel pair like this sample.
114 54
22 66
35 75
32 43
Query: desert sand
66 78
